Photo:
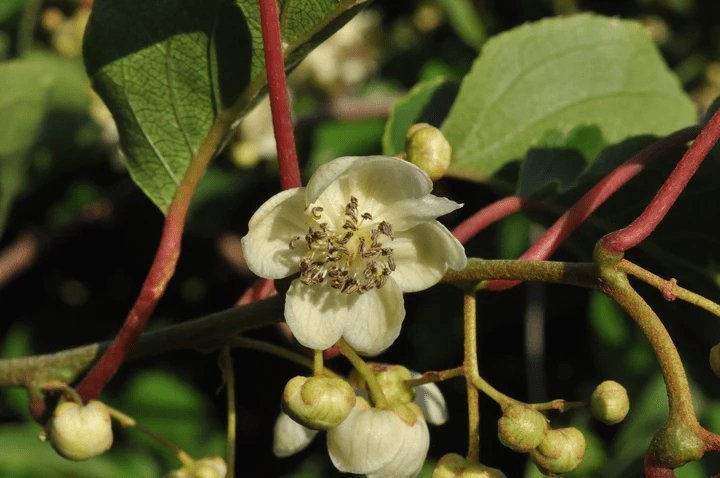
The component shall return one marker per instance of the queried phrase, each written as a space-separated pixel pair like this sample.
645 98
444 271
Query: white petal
423 254
374 319
411 456
375 180
290 437
316 314
408 213
430 399
366 441
266 246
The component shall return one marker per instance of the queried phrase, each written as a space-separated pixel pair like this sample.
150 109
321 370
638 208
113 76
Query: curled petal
316 315
374 319
375 180
289 437
430 399
423 254
408 213
266 246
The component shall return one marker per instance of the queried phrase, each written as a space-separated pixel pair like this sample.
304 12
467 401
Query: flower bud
79 432
521 428
320 403
210 467
453 465
391 379
715 359
427 148
609 402
561 451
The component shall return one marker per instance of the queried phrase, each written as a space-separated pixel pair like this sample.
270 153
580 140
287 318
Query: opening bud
79 432
609 402
453 465
427 148
561 451
391 379
521 428
210 467
319 403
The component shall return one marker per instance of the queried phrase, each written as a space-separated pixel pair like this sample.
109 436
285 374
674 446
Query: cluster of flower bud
453 465
554 451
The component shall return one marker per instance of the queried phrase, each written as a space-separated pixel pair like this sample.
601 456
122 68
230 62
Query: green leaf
554 75
427 102
23 103
466 21
167 68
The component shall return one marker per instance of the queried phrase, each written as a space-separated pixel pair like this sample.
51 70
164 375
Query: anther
317 212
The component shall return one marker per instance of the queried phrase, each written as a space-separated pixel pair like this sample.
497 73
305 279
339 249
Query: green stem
317 362
435 376
470 361
669 288
228 372
473 405
578 274
617 286
376 393
278 351
558 404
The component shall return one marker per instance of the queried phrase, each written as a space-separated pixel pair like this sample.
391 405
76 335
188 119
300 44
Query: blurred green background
87 236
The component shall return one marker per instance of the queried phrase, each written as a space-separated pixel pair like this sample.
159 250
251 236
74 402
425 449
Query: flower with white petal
360 234
430 399
380 443
289 437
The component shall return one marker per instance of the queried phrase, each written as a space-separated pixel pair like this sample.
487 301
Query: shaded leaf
23 104
167 68
553 75
427 102
466 21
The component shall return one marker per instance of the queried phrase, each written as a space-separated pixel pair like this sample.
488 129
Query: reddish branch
632 235
471 226
277 91
591 200
260 290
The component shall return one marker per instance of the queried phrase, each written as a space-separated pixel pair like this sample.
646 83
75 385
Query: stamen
317 212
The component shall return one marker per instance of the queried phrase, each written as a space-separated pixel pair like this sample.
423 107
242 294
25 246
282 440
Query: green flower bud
609 402
427 148
561 451
715 359
453 465
521 428
79 432
391 379
320 403
210 467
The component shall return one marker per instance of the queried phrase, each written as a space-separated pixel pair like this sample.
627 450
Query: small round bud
453 465
210 467
427 148
521 428
609 402
79 432
320 403
715 359
561 451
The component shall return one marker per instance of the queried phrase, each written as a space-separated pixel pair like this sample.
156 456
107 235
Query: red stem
277 91
491 213
654 471
594 198
632 235
260 290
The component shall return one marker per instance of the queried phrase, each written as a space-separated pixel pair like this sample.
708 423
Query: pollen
353 258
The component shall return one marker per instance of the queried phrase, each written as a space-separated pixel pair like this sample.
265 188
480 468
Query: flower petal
430 399
423 254
289 437
374 319
266 245
375 180
316 314
366 440
410 458
408 213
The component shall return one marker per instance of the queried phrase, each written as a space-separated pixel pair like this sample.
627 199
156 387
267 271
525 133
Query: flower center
353 257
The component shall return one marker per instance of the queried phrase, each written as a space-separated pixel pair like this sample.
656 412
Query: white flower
380 443
430 399
290 437
361 233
